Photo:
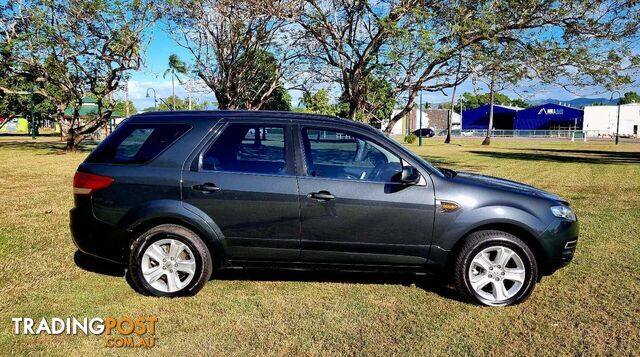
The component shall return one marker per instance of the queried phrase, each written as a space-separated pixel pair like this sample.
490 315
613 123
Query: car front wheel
495 268
169 260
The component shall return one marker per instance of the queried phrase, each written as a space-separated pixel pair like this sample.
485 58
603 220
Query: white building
435 119
601 120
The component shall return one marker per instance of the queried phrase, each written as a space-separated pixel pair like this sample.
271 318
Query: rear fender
157 212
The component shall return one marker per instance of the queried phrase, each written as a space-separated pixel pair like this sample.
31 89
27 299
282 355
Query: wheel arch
171 212
525 235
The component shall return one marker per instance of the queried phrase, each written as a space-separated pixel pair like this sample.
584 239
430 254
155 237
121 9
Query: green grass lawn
592 306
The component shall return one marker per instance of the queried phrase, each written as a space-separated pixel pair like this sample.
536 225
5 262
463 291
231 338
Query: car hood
505 185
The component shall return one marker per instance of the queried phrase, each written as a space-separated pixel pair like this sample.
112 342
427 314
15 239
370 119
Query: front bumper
559 242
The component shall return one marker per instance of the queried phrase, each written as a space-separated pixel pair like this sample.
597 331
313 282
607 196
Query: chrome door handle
207 187
321 196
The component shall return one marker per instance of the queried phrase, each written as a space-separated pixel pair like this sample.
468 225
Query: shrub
410 139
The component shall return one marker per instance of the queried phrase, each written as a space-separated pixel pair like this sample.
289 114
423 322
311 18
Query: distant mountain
576 102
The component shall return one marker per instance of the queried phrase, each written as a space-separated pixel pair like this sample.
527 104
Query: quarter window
248 148
137 143
344 155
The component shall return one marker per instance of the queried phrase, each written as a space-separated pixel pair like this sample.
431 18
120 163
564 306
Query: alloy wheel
497 274
168 265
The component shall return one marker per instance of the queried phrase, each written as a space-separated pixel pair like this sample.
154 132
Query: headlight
564 212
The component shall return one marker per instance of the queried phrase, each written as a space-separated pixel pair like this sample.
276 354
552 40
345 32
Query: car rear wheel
495 268
169 260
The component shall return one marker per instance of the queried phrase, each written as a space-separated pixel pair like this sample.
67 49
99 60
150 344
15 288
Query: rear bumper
559 242
94 237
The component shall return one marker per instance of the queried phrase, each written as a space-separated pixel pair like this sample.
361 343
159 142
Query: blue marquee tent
548 116
478 118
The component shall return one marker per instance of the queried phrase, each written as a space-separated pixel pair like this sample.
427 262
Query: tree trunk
73 140
353 108
487 139
453 104
173 90
407 108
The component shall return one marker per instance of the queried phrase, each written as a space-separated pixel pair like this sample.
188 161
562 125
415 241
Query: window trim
303 170
288 143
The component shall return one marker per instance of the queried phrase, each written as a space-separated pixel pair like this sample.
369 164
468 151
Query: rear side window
137 144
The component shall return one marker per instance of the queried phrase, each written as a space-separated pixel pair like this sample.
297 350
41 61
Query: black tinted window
137 144
248 148
343 155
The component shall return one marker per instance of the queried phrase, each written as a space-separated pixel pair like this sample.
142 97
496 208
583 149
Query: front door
353 207
245 182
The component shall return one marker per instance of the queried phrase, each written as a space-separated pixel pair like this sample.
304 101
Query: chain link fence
583 135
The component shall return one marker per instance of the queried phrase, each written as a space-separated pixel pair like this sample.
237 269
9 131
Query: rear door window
248 148
137 143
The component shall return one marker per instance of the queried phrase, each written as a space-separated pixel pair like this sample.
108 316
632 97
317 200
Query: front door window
343 155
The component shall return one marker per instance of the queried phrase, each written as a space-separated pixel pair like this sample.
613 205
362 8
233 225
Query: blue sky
162 46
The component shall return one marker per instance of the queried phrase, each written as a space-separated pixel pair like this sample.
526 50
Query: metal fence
558 134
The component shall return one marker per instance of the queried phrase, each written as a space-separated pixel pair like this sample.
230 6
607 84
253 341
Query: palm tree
176 65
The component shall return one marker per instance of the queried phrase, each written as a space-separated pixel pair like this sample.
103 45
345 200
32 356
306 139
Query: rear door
353 207
244 180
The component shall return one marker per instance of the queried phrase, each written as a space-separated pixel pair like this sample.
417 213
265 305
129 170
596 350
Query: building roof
89 108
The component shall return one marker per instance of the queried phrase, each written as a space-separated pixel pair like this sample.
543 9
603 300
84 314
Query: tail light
86 184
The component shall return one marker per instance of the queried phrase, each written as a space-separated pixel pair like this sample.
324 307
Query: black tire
478 241
201 255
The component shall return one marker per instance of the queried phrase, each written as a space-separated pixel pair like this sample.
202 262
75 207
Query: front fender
450 227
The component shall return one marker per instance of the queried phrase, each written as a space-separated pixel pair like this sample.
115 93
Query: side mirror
410 175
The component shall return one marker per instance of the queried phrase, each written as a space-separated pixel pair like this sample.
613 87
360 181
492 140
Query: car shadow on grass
450 164
567 156
427 283
44 147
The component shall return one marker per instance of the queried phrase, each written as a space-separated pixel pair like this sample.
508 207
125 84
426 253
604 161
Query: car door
353 207
244 180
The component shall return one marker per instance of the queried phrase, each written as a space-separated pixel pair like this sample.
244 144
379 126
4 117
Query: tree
234 45
76 49
343 41
180 104
176 65
472 100
499 64
416 45
120 107
318 102
629 97
379 101
518 102
279 100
